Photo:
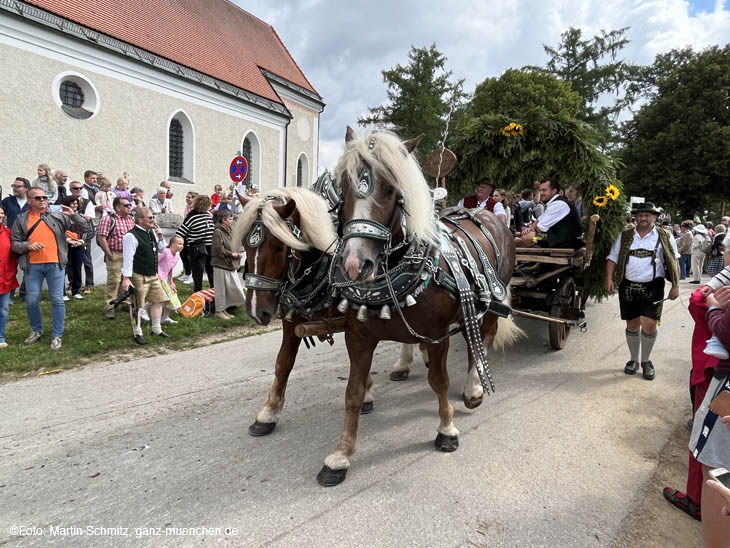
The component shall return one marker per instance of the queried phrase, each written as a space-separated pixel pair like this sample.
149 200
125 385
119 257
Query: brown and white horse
395 182
284 231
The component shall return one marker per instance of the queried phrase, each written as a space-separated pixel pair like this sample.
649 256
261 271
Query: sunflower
600 201
612 192
512 130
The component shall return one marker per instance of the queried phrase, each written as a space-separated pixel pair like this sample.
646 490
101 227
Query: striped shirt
720 279
197 228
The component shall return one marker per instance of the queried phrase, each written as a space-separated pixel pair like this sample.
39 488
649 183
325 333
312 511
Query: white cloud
342 47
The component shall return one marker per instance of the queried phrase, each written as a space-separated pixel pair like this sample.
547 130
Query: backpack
526 213
112 226
706 245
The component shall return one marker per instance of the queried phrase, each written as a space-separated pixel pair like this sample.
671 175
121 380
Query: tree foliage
677 150
518 92
550 145
419 97
592 68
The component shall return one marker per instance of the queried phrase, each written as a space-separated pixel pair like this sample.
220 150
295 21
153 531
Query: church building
162 89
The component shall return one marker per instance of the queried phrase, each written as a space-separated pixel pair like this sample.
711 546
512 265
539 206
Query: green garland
516 152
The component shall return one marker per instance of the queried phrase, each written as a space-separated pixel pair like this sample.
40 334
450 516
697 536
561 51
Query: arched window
303 171
180 148
251 150
177 148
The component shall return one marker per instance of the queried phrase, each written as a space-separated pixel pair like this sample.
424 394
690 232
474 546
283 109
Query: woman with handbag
197 232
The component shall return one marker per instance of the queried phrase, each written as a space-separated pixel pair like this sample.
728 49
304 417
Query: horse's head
385 199
273 230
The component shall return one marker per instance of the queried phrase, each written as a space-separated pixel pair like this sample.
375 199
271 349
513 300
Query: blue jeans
54 276
4 305
685 260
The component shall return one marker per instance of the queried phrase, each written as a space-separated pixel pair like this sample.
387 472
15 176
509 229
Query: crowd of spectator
50 225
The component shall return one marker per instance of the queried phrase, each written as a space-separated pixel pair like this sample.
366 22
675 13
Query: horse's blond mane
390 158
318 231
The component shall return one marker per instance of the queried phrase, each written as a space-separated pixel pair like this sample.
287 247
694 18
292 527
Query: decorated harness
411 265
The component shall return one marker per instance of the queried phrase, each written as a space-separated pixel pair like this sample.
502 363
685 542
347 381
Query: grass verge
88 336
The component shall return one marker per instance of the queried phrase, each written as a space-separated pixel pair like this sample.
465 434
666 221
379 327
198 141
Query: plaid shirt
116 238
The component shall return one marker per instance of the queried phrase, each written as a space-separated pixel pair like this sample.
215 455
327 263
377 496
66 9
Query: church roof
214 37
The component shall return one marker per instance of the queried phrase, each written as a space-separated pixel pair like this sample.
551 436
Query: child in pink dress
166 262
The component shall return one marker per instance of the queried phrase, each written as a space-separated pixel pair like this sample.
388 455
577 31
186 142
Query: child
714 346
165 265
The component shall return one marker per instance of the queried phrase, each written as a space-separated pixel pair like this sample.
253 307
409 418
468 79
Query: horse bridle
255 238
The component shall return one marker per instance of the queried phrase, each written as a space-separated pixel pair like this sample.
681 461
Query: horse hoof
328 477
261 428
447 444
367 407
471 403
398 375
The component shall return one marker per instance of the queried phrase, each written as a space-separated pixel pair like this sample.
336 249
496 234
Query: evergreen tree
419 98
592 68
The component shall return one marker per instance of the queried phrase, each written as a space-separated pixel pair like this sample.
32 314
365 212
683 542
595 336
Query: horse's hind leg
367 404
403 366
360 350
473 394
267 418
438 377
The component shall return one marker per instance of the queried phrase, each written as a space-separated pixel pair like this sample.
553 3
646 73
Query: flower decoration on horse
512 130
611 193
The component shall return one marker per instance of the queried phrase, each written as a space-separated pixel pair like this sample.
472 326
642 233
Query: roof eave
60 24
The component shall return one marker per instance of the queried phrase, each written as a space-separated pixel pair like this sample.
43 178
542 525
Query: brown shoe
109 313
222 316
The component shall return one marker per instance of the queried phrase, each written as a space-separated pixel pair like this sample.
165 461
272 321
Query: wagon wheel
566 297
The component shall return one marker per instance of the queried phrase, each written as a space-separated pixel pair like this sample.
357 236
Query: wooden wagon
546 286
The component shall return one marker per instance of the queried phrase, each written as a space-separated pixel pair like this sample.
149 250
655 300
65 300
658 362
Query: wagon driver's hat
485 181
646 207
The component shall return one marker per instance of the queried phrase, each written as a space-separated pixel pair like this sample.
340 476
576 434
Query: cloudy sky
342 47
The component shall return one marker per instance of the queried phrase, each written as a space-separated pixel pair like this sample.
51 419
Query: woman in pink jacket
8 271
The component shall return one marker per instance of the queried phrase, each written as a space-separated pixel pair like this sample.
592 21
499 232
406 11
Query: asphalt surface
112 454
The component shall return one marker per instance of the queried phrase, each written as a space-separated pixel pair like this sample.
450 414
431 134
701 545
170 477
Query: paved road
560 456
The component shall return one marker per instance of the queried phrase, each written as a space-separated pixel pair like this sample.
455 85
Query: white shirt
498 207
129 248
21 202
641 269
555 211
156 206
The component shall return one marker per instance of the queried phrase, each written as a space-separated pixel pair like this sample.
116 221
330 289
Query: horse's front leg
267 418
438 377
360 350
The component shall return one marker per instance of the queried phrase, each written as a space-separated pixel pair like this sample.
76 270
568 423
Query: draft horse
388 229
288 236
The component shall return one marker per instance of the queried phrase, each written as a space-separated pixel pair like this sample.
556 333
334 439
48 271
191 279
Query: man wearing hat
482 198
640 260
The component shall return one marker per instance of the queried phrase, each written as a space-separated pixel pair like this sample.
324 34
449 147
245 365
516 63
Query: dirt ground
656 523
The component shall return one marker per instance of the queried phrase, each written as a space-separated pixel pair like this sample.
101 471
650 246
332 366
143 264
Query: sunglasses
75 188
17 186
126 205
40 198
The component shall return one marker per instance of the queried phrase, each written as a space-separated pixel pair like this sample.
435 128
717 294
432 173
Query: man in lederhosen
640 260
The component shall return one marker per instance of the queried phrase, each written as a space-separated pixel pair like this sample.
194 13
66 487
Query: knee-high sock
137 329
633 339
647 343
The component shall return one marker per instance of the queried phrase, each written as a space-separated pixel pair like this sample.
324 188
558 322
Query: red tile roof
214 37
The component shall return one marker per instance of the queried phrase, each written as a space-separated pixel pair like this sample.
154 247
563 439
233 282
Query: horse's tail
507 330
